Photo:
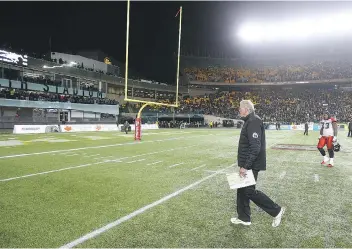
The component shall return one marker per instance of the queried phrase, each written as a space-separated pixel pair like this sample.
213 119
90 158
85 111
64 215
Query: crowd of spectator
170 124
151 94
180 124
283 105
323 70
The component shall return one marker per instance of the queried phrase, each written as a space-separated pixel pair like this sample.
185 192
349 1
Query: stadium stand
241 72
284 105
274 103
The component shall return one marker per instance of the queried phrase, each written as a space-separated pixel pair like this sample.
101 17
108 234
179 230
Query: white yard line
97 147
48 172
115 223
149 164
91 155
91 164
177 164
201 166
136 161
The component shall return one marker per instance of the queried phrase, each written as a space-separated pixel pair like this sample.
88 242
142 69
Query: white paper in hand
235 181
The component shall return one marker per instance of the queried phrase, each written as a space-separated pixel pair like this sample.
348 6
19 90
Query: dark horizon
74 26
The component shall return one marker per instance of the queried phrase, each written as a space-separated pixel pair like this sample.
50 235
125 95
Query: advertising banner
33 129
137 131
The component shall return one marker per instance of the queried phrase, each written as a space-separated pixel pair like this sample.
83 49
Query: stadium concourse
51 97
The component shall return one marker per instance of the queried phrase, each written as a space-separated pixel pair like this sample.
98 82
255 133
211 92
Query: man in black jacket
350 129
252 155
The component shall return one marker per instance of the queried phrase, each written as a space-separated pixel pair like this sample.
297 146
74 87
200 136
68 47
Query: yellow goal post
146 103
178 62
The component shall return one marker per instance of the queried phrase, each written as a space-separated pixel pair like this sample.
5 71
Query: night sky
75 26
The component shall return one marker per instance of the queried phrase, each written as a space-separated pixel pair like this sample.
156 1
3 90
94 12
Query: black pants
349 133
244 195
305 132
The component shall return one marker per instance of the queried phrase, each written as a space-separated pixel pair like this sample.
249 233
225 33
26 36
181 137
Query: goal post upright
178 55
127 46
138 122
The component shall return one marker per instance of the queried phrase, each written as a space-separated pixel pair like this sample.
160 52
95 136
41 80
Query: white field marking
201 166
96 147
65 153
89 164
154 163
177 164
136 161
316 177
47 172
115 223
92 155
282 175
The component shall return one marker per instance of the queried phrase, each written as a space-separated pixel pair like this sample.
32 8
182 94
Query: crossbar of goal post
138 121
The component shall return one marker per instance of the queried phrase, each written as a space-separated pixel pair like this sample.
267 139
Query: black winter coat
251 146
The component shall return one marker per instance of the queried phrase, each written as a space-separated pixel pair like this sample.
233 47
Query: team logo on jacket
255 135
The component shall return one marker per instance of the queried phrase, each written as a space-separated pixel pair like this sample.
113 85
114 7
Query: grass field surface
169 190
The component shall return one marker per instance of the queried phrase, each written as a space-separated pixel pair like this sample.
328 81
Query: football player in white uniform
328 136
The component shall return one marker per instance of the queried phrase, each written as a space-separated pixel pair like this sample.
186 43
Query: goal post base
138 124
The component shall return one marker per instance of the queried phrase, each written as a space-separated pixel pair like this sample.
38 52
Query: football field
103 189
